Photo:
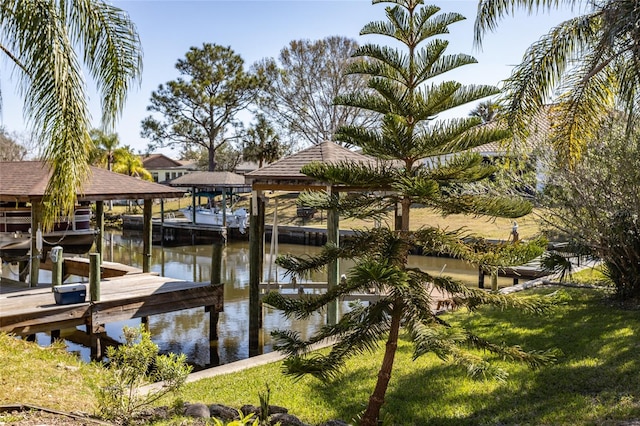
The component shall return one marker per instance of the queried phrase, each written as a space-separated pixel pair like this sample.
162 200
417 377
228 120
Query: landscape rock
248 409
285 419
197 410
335 423
223 412
276 409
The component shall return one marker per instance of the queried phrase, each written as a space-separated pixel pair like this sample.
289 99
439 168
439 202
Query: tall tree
303 83
10 148
200 109
587 65
406 94
44 39
406 295
105 145
261 143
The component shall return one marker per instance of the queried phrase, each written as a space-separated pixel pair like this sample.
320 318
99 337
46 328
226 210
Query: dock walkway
32 310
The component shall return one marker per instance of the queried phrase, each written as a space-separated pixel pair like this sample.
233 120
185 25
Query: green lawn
492 228
595 381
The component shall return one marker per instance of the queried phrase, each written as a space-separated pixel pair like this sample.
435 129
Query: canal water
187 331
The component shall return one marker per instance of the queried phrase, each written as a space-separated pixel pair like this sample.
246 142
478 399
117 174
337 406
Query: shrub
132 365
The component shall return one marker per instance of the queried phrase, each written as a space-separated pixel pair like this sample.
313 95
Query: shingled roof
210 179
289 167
27 180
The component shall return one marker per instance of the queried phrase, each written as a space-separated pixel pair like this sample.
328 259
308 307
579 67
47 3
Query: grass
491 228
45 376
594 381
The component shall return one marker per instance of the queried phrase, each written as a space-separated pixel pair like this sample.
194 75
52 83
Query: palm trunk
372 413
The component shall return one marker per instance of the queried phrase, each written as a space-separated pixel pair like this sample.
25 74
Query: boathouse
116 292
26 181
285 175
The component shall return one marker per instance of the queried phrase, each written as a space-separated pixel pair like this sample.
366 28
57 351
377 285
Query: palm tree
44 39
127 163
487 111
591 61
405 106
105 144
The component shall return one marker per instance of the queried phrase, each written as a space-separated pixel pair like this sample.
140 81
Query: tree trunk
406 205
212 159
372 413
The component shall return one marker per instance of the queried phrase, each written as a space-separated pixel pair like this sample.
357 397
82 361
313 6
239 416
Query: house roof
27 180
210 179
161 161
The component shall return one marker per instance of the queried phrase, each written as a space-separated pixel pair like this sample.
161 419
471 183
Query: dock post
94 277
57 263
94 296
494 280
56 266
36 243
100 228
216 278
256 247
480 277
333 237
147 235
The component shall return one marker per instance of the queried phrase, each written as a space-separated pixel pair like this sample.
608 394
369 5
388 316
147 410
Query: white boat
215 217
74 233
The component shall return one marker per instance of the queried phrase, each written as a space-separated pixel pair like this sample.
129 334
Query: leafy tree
262 144
595 204
587 65
105 145
127 163
303 83
200 110
228 157
407 295
10 148
44 40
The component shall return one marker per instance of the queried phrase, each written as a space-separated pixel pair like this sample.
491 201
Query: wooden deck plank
123 298
79 266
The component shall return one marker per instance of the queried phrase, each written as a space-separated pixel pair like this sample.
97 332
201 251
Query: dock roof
24 181
210 179
285 173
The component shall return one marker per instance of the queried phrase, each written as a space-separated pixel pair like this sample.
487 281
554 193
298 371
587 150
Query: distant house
164 169
246 166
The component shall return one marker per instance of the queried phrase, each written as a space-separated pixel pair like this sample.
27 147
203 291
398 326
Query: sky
257 29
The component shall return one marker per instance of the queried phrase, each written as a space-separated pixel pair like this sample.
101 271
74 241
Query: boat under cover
73 233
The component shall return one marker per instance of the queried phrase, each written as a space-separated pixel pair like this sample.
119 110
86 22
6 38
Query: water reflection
187 331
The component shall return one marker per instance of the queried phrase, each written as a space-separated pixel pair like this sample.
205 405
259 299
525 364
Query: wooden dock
26 311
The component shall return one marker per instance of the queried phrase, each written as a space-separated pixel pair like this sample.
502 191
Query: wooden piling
56 267
94 277
147 235
100 229
333 237
256 246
